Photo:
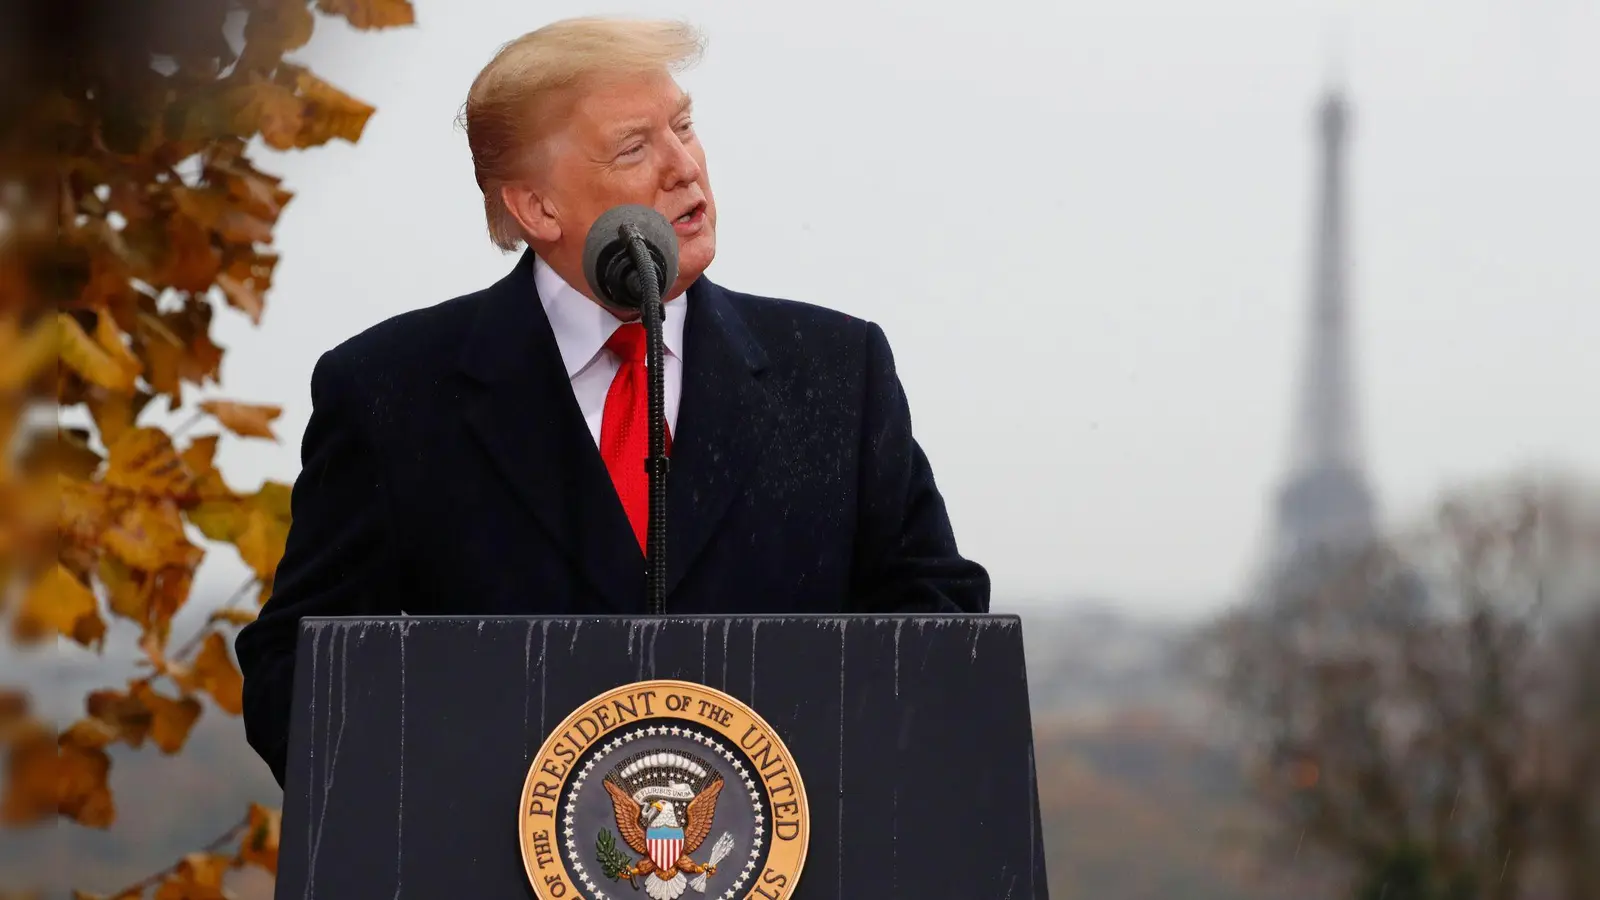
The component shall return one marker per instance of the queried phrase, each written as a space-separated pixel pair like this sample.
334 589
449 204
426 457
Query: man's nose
680 165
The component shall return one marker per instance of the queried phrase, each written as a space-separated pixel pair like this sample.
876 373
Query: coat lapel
524 413
725 420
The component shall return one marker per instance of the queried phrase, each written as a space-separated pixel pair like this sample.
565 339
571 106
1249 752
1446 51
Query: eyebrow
642 126
628 132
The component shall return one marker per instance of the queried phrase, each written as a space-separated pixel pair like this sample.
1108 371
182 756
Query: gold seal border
789 868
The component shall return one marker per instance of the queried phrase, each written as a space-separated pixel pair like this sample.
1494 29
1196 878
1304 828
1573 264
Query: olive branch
613 862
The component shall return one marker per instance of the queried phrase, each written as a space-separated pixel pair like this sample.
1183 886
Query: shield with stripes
665 846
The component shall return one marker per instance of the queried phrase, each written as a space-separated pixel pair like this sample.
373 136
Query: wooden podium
468 757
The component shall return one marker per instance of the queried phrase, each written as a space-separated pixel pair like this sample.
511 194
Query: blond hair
508 108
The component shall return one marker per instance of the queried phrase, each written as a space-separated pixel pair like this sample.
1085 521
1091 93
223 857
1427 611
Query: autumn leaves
123 525
131 213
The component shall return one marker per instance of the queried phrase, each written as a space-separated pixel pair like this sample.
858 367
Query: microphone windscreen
606 239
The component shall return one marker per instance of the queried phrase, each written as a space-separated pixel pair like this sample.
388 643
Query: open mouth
693 215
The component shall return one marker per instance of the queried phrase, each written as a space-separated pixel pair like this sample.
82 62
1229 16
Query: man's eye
632 150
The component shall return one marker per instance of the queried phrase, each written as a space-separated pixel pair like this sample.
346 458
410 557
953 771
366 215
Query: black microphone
630 258
609 259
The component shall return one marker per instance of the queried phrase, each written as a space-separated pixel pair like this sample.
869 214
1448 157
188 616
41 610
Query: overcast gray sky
1084 227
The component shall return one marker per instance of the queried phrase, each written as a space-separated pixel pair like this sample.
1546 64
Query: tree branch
194 641
230 836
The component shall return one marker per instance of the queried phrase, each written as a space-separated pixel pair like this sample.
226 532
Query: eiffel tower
1324 505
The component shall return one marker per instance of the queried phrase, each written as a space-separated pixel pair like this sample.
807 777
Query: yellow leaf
327 112
107 287
24 356
90 734
367 14
262 195
262 543
273 110
109 338
170 720
221 520
260 843
200 457
242 295
127 590
80 561
163 354
169 591
198 877
275 499
115 413
83 793
61 602
14 709
176 346
216 211
61 450
144 461
82 510
164 361
83 355
244 419
234 616
125 718
190 262
214 672
31 792
247 278
281 27
149 536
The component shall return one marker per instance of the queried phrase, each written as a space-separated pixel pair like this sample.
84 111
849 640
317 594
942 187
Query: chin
694 257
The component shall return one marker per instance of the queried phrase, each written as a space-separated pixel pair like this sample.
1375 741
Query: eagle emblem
664 803
663 790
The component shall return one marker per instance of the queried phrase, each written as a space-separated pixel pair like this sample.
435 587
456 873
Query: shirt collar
582 326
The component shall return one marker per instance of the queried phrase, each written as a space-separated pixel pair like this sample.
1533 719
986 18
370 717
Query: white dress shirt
582 328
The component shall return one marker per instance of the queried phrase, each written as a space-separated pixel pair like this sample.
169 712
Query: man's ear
533 212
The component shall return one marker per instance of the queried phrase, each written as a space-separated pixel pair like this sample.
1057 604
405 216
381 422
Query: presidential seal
664 789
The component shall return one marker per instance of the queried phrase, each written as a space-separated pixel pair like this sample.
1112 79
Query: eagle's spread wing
702 809
627 812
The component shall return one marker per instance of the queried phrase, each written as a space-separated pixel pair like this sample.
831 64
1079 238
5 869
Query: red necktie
625 427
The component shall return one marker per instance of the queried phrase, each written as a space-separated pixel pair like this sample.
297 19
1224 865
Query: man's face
626 140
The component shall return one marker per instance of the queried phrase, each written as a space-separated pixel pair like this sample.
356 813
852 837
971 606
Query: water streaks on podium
898 718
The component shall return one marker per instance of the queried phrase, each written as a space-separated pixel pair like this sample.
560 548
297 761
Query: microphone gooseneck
656 463
630 259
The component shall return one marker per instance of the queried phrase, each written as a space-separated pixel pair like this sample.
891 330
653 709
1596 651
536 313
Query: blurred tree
131 212
1409 873
1425 711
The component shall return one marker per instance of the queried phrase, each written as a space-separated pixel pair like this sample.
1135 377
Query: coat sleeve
334 562
906 558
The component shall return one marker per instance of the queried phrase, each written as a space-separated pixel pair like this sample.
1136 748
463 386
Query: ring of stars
569 836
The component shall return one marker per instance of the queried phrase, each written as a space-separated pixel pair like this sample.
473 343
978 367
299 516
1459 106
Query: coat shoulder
801 332
416 340
765 311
